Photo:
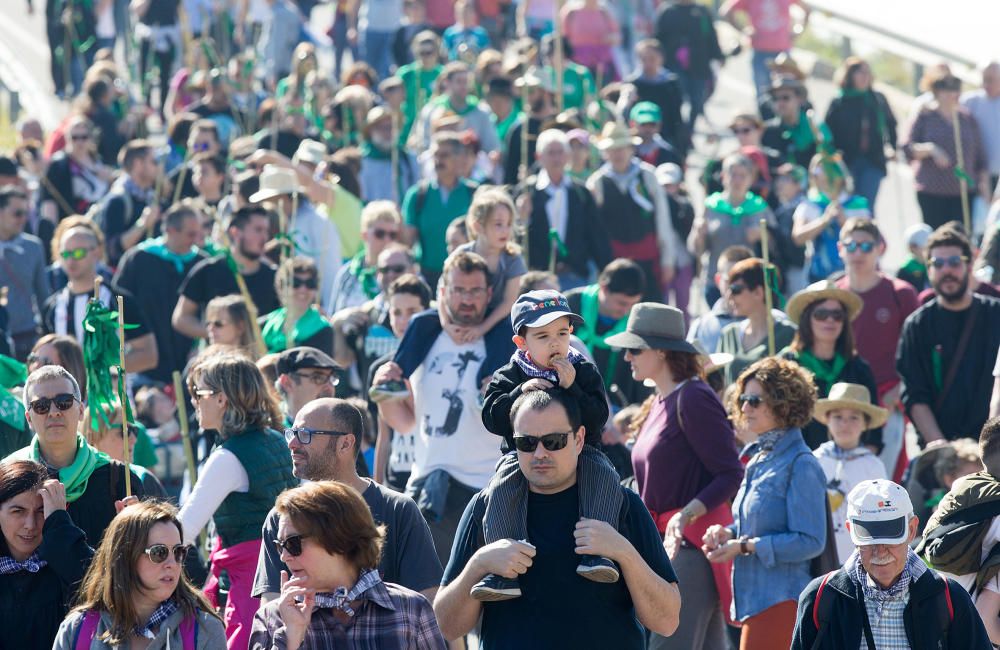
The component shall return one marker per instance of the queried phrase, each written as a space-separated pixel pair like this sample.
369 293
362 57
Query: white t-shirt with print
450 431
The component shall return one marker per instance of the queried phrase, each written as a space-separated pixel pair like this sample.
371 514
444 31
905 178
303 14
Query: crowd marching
412 335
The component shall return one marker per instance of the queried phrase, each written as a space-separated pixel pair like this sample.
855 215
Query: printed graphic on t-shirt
437 424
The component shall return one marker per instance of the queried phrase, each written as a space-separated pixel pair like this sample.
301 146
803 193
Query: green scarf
158 247
826 372
305 327
587 332
365 274
801 134
871 102
368 150
752 204
74 476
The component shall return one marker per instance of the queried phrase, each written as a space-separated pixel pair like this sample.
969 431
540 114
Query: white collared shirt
557 207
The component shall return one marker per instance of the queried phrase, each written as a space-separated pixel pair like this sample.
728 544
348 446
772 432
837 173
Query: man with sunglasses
94 483
22 270
947 348
304 374
355 283
560 609
325 441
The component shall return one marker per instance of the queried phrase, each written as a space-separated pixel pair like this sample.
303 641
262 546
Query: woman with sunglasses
332 595
779 511
746 339
297 321
135 593
686 466
75 178
43 555
228 323
239 481
824 345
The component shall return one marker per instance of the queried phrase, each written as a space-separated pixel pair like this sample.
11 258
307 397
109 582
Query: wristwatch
744 548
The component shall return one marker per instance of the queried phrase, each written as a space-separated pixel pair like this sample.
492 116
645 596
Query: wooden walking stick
963 177
182 418
767 287
522 171
558 60
122 397
394 159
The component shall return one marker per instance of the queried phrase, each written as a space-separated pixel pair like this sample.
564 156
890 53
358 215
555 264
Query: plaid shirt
162 612
387 617
885 607
32 564
528 366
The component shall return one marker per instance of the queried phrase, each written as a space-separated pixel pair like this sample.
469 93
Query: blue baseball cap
539 308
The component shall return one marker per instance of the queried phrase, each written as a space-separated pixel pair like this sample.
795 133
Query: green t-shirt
414 79
433 219
578 84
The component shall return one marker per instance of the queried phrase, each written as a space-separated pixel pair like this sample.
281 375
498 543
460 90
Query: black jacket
505 387
922 617
95 508
846 118
586 238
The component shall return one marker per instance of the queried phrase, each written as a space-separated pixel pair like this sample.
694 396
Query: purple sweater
673 464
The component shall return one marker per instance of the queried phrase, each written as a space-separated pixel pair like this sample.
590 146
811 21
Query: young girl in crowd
847 413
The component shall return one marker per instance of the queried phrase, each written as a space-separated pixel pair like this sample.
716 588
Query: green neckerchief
752 204
801 134
870 101
305 327
503 126
914 266
471 102
828 373
365 274
158 247
74 476
211 248
587 331
851 202
370 151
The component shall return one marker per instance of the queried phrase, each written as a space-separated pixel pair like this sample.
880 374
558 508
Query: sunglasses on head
292 544
952 261
551 441
42 405
863 246
75 253
822 313
308 283
378 233
397 269
158 553
753 400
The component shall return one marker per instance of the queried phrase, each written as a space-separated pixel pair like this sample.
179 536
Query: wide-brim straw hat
654 326
275 181
614 135
310 152
819 291
851 396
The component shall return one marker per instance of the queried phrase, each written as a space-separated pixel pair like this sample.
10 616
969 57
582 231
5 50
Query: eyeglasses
378 233
863 246
308 283
292 544
216 324
823 313
79 137
952 261
42 405
75 253
784 98
158 553
201 393
42 361
743 131
634 351
476 293
305 435
318 378
551 441
394 269
737 288
201 146
753 400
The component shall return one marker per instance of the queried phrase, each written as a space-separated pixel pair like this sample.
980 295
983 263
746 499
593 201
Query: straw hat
654 326
310 152
851 396
275 181
615 135
819 291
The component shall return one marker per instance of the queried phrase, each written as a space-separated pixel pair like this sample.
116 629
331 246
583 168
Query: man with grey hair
553 202
94 483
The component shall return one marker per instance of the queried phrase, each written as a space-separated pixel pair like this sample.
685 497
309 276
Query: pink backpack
88 630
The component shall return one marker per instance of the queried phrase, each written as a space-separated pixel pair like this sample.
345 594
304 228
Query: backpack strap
820 616
189 632
88 629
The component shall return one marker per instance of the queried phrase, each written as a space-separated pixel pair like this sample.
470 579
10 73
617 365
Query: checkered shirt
885 607
32 565
163 611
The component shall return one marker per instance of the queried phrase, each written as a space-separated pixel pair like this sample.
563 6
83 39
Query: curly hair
789 391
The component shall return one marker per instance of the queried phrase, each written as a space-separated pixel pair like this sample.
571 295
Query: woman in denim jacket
779 514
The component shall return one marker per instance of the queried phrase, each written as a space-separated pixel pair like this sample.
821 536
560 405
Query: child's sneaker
598 569
494 588
393 389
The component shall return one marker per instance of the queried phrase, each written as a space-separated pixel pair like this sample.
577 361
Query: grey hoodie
211 635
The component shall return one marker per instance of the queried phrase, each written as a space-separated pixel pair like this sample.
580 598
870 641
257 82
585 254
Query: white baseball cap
879 513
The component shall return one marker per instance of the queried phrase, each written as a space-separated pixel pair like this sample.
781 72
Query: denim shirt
780 502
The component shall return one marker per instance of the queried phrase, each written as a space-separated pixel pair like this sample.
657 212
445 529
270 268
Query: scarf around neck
875 593
343 597
304 328
751 205
826 371
531 369
158 247
32 564
74 476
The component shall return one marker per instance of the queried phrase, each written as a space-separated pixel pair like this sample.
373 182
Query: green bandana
752 204
587 331
826 372
365 274
305 327
75 476
158 247
12 372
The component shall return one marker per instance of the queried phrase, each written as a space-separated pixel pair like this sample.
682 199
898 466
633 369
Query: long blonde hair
249 403
484 204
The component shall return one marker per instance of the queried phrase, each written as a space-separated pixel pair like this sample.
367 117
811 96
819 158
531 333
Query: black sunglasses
952 261
551 441
42 405
397 269
158 553
308 283
382 234
292 544
80 137
305 435
753 400
822 313
743 131
635 351
737 288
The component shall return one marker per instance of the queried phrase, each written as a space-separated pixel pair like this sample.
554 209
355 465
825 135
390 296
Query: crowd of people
430 342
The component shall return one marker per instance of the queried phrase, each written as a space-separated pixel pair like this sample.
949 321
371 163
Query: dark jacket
586 238
95 508
688 38
423 331
922 616
845 118
505 387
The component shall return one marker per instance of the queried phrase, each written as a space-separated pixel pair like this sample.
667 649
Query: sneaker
598 569
388 390
493 588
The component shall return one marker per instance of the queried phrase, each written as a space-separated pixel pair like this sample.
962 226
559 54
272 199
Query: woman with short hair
334 595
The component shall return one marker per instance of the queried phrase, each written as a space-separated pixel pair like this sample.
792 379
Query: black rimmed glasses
305 435
292 544
753 400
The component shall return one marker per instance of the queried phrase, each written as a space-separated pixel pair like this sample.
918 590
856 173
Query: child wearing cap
543 322
848 413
